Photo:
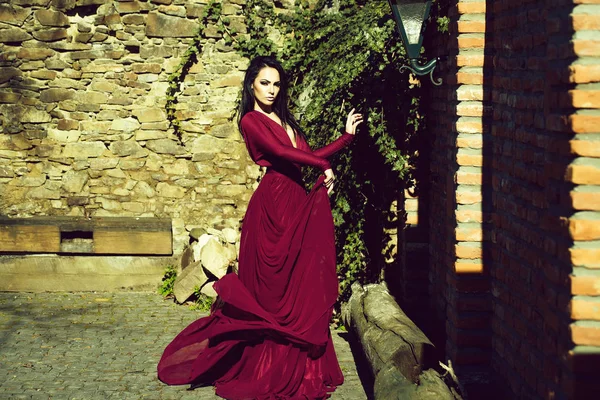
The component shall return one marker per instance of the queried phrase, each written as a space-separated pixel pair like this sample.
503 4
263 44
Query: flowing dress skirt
270 338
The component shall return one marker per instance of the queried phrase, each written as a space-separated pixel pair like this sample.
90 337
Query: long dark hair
280 106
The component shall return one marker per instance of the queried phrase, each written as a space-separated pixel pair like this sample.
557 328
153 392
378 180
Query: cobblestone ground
104 346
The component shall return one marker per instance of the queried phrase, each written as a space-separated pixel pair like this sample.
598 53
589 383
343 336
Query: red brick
465 42
468 268
469 216
585 335
585 285
472 60
585 309
471 26
469 160
588 257
585 200
583 174
586 22
474 7
469 197
469 78
469 178
585 148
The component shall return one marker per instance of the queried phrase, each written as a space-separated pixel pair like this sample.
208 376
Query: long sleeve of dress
335 146
261 141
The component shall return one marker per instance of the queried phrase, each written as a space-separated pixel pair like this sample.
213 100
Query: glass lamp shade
409 16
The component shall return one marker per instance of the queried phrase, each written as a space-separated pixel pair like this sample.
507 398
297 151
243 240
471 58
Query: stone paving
105 346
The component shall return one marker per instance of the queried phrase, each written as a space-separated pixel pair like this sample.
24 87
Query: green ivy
166 287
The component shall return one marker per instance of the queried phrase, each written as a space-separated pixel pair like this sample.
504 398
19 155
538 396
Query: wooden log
394 346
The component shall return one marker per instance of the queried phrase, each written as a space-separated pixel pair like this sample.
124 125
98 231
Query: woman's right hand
329 180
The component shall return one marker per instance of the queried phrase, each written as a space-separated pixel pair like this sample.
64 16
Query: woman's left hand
353 121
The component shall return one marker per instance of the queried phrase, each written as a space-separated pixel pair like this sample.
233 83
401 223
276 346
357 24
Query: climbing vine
340 55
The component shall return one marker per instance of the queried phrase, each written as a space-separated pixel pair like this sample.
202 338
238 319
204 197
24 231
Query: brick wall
514 239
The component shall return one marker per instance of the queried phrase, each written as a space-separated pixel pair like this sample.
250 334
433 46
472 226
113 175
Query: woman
270 338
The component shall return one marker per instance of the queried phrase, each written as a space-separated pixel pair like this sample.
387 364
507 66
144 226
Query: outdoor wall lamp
410 16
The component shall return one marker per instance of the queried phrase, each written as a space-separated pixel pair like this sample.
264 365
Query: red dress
271 338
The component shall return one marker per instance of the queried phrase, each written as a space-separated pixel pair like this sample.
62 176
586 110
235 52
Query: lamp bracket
423 69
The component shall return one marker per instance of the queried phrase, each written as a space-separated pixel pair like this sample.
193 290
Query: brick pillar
459 283
582 99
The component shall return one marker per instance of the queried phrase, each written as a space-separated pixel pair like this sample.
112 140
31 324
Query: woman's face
266 87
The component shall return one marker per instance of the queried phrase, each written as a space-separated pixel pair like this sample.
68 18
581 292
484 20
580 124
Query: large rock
190 278
160 25
215 258
51 18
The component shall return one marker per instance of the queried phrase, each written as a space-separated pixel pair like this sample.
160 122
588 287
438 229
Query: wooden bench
80 235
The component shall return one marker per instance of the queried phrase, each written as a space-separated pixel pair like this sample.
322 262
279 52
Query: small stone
143 189
92 97
14 35
131 164
208 290
222 131
177 11
230 235
103 163
56 95
10 97
146 68
150 114
51 18
33 179
74 181
50 35
43 193
125 124
8 73
159 25
128 148
84 149
165 146
6 172
78 201
170 191
13 15
197 232
35 53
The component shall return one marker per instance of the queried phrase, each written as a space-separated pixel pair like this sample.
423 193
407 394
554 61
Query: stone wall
514 237
83 125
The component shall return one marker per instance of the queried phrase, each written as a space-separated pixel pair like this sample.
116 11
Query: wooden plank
132 242
71 224
30 239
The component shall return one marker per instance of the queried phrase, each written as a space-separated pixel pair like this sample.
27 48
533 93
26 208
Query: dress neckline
280 127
